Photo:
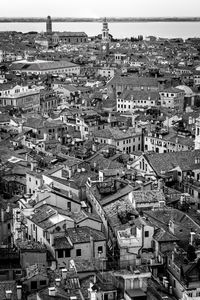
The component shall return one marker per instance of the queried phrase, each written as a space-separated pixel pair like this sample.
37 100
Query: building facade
24 97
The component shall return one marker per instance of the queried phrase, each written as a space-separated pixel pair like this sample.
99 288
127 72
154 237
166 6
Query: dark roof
161 235
71 34
115 133
140 95
83 235
62 243
118 195
133 81
34 123
168 161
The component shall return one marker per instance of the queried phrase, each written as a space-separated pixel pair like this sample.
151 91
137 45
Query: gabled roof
161 235
118 195
140 95
35 123
115 133
133 81
83 235
41 65
168 161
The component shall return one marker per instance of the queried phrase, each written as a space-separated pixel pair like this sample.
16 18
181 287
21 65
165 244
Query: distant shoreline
111 20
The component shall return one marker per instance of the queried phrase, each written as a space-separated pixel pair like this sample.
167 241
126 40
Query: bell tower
105 31
197 134
49 26
105 40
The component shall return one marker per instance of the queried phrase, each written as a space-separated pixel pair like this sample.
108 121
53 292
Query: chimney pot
52 291
8 294
58 281
64 273
19 292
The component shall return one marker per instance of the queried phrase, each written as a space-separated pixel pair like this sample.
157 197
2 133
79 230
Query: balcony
191 296
125 239
191 182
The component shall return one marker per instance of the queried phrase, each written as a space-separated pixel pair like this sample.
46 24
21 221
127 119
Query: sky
100 8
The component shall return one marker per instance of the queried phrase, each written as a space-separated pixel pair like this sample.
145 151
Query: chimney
51 239
164 279
192 235
95 278
92 246
52 291
20 128
46 137
2 215
19 292
58 281
33 165
64 273
172 256
182 199
8 294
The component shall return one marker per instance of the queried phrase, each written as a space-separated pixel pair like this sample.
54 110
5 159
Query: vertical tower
105 31
197 133
49 25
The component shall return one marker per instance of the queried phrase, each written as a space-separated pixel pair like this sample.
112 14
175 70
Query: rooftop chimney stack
19 292
52 291
58 281
192 235
64 273
9 294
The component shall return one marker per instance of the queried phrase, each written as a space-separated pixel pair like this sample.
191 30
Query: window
146 233
33 227
67 253
174 283
69 206
78 252
33 285
43 282
8 226
60 253
30 179
100 249
18 272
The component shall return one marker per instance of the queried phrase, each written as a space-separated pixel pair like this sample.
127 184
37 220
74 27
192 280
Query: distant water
118 30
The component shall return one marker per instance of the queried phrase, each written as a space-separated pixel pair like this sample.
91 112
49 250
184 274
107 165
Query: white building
170 142
125 140
131 100
24 97
197 134
106 72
